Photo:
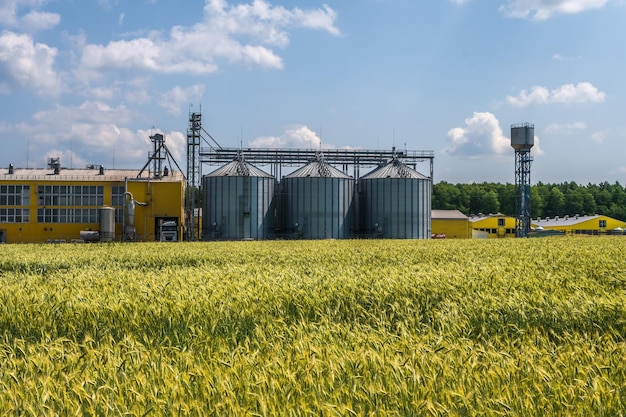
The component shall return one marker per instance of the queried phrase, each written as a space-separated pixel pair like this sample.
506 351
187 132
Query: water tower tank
522 136
238 203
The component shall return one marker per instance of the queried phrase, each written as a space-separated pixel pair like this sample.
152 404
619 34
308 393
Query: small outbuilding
450 224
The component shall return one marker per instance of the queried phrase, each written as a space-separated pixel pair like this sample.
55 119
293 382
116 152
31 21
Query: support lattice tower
522 140
194 173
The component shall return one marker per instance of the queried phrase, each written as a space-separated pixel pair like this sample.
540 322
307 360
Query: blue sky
89 81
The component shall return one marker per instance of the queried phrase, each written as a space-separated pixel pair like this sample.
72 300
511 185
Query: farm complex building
58 204
492 226
582 225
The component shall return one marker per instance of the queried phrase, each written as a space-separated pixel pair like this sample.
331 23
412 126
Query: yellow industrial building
450 224
64 205
581 225
492 226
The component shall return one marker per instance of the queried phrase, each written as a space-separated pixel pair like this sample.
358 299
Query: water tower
522 140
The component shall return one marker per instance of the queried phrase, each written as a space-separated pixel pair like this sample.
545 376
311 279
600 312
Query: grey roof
394 169
563 221
317 170
77 174
448 215
239 168
479 217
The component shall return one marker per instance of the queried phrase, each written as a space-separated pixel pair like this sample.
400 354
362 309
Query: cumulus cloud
178 98
583 92
12 15
543 10
481 136
93 132
296 136
243 33
26 64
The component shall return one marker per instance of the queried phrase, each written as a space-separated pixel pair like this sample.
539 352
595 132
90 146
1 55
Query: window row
70 195
71 200
70 189
494 231
14 195
61 195
14 215
48 215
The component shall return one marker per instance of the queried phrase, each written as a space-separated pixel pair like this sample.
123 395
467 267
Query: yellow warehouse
450 224
582 225
56 205
492 226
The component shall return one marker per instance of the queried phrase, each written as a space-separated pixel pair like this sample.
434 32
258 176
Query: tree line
547 200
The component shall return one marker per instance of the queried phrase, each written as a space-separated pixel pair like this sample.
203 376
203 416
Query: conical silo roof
394 169
317 169
239 168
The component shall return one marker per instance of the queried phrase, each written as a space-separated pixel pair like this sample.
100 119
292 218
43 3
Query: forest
547 200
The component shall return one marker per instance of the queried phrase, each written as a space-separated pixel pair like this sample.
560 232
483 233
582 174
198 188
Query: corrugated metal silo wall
237 208
317 207
396 208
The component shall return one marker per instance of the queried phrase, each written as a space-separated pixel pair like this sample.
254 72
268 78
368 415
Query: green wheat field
516 327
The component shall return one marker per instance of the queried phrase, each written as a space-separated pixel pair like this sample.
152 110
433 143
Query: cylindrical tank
317 203
395 203
238 203
107 223
522 136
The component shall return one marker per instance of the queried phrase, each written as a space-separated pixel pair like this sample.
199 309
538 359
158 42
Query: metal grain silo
395 203
317 202
238 203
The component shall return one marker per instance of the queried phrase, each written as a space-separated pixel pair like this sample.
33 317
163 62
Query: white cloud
178 98
36 21
546 9
481 136
33 20
102 93
296 136
580 93
583 92
566 127
27 64
246 33
598 137
94 133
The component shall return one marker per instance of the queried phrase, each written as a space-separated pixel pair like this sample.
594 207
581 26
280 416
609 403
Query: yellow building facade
42 205
450 224
582 225
493 226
